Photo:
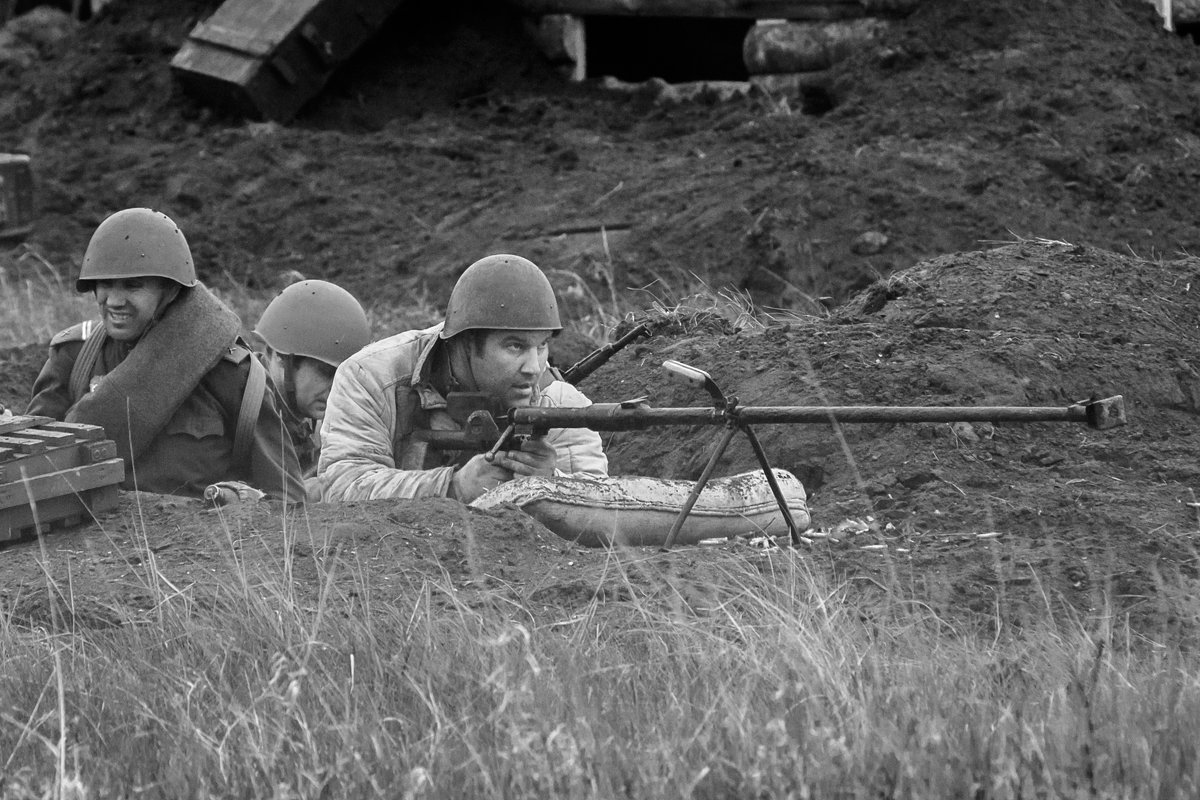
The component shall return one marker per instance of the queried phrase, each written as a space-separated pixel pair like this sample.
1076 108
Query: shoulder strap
252 399
76 333
85 362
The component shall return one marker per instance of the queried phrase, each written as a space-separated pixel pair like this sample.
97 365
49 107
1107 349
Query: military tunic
195 447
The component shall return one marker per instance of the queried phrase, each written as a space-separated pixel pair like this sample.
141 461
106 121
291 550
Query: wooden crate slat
238 41
51 438
63 482
79 429
54 459
23 445
21 423
268 21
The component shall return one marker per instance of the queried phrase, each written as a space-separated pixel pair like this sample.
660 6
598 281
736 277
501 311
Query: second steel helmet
137 243
316 319
501 292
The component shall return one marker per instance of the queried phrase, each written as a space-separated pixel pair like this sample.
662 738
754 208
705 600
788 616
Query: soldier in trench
307 331
165 372
500 318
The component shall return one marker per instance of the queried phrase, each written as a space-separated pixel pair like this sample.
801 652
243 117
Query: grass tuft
36 300
293 670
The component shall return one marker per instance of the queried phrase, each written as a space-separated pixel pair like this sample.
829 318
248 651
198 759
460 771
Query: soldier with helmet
164 371
310 328
500 319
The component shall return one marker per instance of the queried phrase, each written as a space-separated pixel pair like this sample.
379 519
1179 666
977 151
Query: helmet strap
289 381
168 297
282 369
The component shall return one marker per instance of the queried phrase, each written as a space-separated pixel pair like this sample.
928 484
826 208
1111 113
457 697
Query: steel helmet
137 243
317 319
501 292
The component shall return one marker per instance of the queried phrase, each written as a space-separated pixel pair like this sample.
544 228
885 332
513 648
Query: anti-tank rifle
489 430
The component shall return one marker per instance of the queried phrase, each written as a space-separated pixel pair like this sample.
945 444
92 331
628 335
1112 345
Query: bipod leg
694 495
776 490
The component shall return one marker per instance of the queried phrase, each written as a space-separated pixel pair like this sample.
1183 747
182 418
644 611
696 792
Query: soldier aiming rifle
500 319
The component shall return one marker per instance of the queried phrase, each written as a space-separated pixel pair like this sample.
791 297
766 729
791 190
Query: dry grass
774 683
38 299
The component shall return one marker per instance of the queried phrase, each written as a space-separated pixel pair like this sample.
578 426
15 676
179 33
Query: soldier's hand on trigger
476 477
536 457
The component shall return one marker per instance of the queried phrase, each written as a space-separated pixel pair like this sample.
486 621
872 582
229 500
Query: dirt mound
447 138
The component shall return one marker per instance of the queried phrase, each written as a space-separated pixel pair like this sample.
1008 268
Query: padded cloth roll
600 511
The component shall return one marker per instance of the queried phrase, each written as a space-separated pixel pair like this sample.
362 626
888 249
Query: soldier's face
509 365
313 379
128 305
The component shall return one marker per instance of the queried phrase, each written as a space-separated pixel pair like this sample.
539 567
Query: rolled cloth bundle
599 511
137 399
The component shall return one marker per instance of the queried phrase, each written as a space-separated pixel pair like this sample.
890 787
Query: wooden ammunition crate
16 196
54 474
266 58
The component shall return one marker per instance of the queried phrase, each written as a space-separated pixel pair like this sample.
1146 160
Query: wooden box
265 59
54 474
16 196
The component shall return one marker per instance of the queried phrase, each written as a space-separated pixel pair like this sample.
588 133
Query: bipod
727 408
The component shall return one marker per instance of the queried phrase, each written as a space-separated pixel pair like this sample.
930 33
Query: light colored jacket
383 393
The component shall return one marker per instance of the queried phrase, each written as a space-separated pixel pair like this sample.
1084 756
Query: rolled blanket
137 399
638 511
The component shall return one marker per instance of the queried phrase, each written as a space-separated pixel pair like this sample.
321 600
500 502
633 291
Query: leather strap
252 399
85 362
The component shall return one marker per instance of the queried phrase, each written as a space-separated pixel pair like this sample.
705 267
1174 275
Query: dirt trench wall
1032 324
449 137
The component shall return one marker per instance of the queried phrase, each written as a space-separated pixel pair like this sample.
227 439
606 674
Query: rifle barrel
830 414
618 416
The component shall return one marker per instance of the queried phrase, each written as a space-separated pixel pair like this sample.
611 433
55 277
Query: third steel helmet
316 319
501 292
137 243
